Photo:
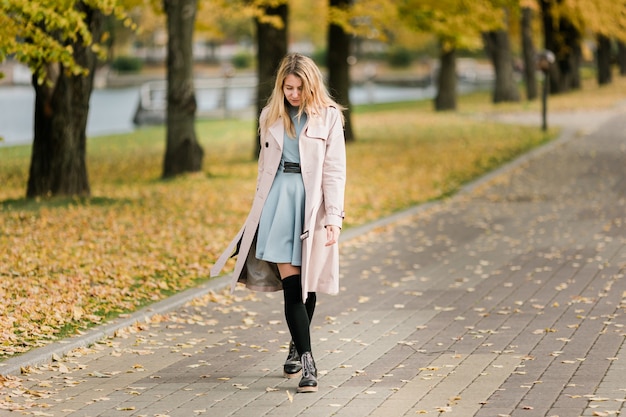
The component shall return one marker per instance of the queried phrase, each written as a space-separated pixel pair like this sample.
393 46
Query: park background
72 259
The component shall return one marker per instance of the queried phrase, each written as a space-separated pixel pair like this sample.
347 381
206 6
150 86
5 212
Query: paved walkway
507 300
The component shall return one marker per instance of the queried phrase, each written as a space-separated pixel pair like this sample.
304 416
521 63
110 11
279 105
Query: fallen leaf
97 374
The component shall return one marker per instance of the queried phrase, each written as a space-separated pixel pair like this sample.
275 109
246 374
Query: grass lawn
66 264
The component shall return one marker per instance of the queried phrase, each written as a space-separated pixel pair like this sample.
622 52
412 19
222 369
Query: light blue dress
282 218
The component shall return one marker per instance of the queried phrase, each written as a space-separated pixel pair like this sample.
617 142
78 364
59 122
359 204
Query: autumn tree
456 24
183 152
607 21
184 18
347 19
563 39
60 42
565 22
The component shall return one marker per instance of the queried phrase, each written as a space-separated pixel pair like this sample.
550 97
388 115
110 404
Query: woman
290 238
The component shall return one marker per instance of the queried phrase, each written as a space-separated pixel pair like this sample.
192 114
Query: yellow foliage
458 23
606 17
40 32
371 19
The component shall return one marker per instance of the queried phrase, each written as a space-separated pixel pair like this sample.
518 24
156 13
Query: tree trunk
58 166
338 67
446 81
271 48
603 57
621 57
564 41
499 50
529 53
183 153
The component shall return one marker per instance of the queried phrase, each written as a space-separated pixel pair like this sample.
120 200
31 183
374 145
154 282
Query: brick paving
505 300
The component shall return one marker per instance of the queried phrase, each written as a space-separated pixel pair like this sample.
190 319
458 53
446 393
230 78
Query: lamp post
544 60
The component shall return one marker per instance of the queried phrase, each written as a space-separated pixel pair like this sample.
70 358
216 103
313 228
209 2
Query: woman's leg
298 322
292 367
310 302
286 270
296 313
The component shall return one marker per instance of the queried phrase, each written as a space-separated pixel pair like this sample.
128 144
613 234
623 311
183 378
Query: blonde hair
315 96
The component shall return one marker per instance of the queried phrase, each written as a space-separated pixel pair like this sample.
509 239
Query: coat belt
291 167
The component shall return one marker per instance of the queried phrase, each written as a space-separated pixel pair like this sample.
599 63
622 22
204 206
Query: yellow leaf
77 313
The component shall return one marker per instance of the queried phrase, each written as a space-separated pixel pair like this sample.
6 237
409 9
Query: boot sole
291 376
307 389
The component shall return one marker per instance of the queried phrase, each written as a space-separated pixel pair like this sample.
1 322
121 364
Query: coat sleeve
334 170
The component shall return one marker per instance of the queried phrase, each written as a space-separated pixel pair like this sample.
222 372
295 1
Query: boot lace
307 366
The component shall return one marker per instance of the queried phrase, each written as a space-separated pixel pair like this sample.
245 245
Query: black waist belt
291 167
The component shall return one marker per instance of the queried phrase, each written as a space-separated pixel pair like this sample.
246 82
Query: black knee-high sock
296 314
310 302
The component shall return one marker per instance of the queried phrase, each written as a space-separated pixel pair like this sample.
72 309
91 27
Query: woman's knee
287 270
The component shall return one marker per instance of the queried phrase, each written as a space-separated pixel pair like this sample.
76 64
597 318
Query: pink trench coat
323 164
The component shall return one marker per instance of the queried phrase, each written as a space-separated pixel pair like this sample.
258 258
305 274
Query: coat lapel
277 131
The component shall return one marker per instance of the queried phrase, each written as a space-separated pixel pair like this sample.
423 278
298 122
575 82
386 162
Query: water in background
112 110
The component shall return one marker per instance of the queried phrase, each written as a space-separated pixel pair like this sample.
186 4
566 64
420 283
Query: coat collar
314 127
277 131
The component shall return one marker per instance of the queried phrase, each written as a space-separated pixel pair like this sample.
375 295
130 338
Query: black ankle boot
292 366
308 383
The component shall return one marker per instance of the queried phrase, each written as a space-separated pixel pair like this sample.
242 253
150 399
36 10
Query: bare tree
58 165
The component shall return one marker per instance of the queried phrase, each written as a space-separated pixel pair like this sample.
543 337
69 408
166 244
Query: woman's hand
332 235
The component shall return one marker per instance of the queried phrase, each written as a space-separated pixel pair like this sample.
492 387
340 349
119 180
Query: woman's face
292 89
